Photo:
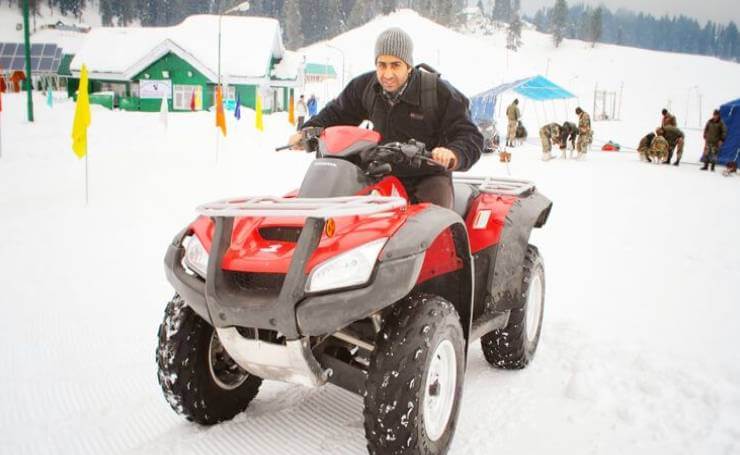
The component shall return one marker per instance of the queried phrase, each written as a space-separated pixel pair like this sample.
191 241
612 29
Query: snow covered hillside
12 16
649 80
641 318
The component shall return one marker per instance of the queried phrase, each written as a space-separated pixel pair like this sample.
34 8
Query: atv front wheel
198 377
513 347
415 378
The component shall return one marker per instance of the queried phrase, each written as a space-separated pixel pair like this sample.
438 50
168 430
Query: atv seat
465 194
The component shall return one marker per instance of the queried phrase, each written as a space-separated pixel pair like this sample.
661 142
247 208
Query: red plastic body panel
338 139
249 252
440 258
491 234
389 186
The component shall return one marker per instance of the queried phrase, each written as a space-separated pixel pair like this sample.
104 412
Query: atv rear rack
498 185
268 206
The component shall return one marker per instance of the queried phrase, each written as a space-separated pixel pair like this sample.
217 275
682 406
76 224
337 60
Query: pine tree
595 28
558 17
388 6
502 10
514 36
291 23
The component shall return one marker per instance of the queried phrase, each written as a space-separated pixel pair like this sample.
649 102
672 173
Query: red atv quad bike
347 282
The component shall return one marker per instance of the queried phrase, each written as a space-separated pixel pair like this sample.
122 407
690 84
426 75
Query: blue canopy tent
730 150
537 88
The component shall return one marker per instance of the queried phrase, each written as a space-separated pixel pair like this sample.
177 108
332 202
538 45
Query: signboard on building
155 89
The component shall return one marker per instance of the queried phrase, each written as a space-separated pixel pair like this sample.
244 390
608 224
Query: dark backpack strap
429 101
369 97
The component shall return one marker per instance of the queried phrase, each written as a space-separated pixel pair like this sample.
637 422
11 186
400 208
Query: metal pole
87 198
27 41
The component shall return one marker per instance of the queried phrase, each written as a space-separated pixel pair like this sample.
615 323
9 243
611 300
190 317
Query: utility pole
28 81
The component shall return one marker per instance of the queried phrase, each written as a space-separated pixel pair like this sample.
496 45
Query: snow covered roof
70 41
248 47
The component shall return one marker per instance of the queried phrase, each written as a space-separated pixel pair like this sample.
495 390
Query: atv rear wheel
198 377
514 346
415 378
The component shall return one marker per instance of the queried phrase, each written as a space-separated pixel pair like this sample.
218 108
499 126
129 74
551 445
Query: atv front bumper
287 309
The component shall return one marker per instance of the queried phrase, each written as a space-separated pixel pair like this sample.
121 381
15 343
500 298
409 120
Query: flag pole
87 198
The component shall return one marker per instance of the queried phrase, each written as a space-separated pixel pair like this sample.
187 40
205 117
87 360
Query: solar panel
50 50
9 49
45 64
45 57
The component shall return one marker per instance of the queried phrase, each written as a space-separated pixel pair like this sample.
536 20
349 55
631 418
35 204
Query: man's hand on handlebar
295 141
444 157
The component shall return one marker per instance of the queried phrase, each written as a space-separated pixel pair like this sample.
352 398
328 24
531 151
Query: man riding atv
403 103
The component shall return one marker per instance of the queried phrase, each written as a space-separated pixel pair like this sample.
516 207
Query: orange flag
291 111
220 115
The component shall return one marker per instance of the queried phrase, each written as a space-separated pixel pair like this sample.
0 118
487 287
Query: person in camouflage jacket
659 147
585 134
675 138
715 133
549 134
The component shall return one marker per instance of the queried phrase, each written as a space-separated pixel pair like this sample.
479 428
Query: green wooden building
137 67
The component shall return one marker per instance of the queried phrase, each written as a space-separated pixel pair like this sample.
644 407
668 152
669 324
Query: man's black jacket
452 128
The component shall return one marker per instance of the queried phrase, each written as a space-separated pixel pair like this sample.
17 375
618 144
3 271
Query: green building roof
319 69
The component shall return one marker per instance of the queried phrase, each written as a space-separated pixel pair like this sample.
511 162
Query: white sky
721 11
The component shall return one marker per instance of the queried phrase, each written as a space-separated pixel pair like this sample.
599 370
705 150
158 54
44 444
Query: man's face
716 117
392 72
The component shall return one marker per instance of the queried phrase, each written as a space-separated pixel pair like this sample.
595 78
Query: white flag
163 111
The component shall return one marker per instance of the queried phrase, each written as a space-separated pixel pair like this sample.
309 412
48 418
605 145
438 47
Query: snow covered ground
638 353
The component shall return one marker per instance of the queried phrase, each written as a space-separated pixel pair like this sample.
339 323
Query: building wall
179 72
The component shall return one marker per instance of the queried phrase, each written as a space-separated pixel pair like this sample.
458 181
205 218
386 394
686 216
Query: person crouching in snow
644 147
568 132
659 147
549 135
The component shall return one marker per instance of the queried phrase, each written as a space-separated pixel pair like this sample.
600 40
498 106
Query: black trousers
436 189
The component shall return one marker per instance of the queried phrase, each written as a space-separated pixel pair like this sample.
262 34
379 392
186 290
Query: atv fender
396 275
505 283
191 288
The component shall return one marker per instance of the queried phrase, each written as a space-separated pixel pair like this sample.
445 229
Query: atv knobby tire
514 346
188 357
416 333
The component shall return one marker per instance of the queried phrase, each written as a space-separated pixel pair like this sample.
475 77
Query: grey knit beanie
397 43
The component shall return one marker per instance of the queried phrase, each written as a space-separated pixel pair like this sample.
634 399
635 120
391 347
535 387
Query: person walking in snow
549 134
585 134
403 103
675 138
715 133
301 111
668 119
513 114
312 105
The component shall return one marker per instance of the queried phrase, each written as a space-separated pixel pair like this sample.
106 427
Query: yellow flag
291 111
260 126
220 116
82 117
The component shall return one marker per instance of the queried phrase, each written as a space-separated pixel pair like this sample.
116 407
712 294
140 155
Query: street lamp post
341 52
27 42
243 6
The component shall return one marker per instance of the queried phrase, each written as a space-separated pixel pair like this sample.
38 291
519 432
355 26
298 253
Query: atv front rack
498 185
268 206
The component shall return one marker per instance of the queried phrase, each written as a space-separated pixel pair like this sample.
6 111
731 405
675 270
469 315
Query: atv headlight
196 256
352 268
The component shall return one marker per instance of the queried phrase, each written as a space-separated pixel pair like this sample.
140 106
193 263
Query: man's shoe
676 163
706 166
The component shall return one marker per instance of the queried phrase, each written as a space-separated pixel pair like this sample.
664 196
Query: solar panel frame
19 62
46 64
9 49
37 48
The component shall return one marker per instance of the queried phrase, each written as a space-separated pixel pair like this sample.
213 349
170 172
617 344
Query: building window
183 95
165 74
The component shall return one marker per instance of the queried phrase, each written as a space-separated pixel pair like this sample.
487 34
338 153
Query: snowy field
638 353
